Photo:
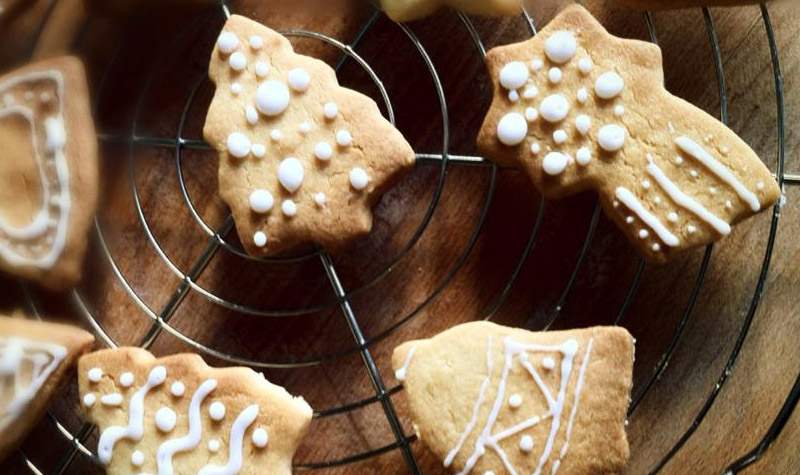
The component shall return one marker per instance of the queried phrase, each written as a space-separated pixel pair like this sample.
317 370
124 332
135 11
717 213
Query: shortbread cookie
408 10
49 171
35 358
300 158
179 415
491 399
676 4
580 109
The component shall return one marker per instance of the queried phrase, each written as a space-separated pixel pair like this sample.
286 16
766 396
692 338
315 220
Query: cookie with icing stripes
677 4
579 109
35 361
179 415
408 10
488 399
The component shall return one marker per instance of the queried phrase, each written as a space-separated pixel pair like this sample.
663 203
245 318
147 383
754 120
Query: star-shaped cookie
491 399
408 10
300 158
580 109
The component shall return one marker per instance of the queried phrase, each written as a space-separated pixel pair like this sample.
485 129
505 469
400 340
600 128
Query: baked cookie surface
35 358
677 4
491 399
49 168
301 159
178 415
408 10
580 109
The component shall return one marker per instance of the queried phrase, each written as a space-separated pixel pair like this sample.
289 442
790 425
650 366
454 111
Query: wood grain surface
417 273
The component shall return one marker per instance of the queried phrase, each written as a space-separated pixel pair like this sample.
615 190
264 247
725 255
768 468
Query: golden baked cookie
35 360
179 415
408 10
676 4
49 170
301 159
491 399
580 109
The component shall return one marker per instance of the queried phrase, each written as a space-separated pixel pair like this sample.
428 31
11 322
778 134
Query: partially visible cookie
676 4
491 399
179 415
49 171
408 10
301 159
35 358
580 109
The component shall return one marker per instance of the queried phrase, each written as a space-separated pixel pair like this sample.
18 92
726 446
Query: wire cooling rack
217 241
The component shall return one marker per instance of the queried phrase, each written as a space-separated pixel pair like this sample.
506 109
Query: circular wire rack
218 241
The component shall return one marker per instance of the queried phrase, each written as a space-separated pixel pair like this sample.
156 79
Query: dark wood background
445 278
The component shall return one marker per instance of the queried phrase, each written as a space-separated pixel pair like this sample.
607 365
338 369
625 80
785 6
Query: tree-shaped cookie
35 358
300 157
179 415
578 109
49 171
491 399
407 10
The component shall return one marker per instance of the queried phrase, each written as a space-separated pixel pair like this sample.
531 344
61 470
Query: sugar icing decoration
260 437
290 174
260 238
113 399
235 445
289 208
272 97
166 419
299 79
126 379
216 411
178 389
359 179
227 42
167 450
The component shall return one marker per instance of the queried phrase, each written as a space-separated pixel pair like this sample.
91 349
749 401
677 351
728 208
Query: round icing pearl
166 419
259 150
299 79
213 445
260 438
656 247
276 135
526 443
514 75
359 178
343 138
261 201
238 61
260 239
515 401
251 114
536 64
238 145
585 65
236 88
536 148
289 208
554 163
89 400
530 92
512 129
137 458
619 110
611 137
583 123
262 69
305 127
227 42
672 216
513 96
290 174
555 75
256 42
643 234
126 380
608 85
691 229
272 98
320 199
216 411
531 114
178 389
330 110
554 108
323 151
95 375
561 46
548 362
559 136
583 156
582 95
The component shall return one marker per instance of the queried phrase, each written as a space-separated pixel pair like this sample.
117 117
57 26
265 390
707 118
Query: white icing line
400 374
235 446
684 200
629 199
721 171
169 448
576 400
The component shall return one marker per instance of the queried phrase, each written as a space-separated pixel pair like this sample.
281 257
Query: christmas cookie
408 10
491 399
676 4
580 109
179 415
35 358
300 158
49 171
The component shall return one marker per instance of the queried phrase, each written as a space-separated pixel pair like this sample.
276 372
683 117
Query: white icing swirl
235 445
168 449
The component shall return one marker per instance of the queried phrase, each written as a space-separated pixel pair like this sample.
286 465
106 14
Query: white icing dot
213 445
126 380
166 419
299 79
643 233
514 75
646 184
238 61
137 458
238 145
728 204
45 97
515 400
276 135
178 389
262 69
548 362
320 199
608 85
260 437
260 239
554 163
513 96
582 95
236 88
289 208
619 110
712 190
344 138
629 220
359 178
256 42
554 108
272 98
691 229
261 201
89 400
561 46
305 127
611 137
113 399
531 114
583 123
672 216
656 247
216 411
259 150
760 185
678 160
290 174
657 199
584 156
227 42
560 136
95 375
323 151
585 65
535 147
693 173
512 129
251 114
330 110
536 64
530 92
526 443
555 75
